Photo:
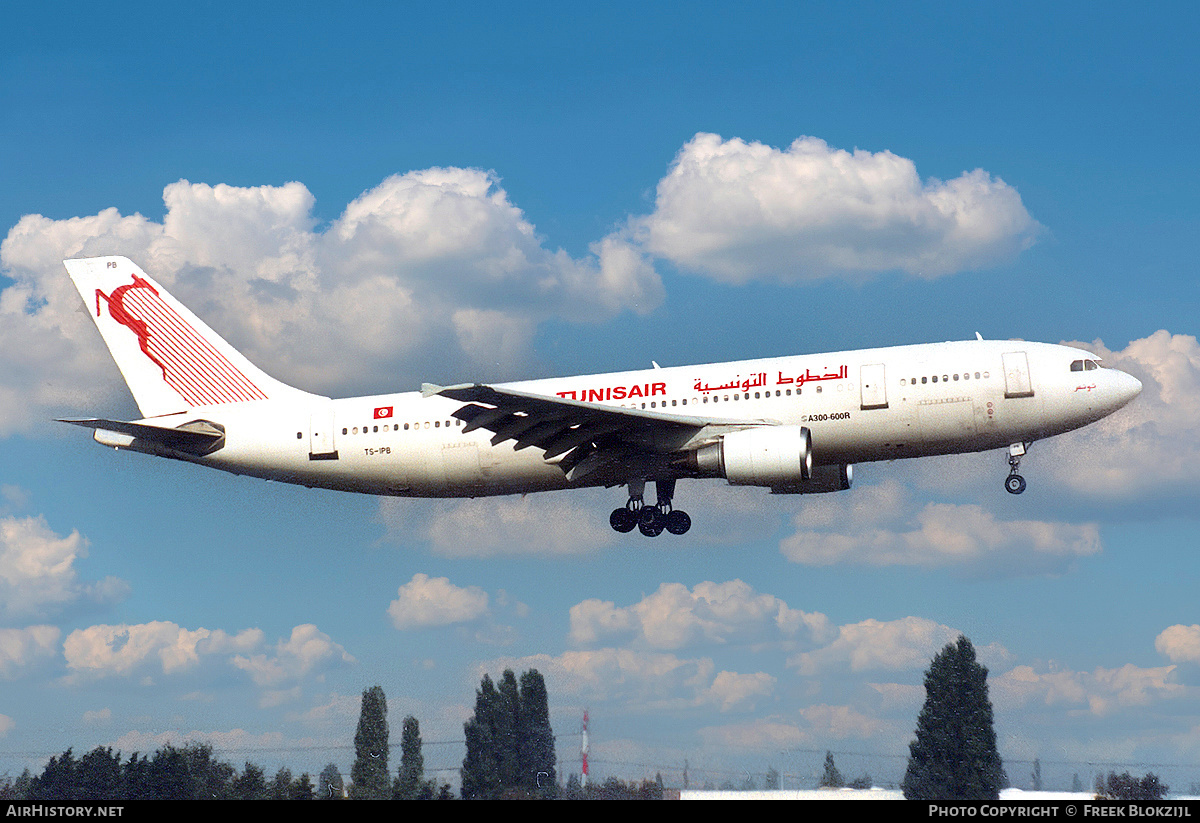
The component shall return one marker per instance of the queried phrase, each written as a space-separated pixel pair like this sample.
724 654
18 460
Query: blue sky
368 196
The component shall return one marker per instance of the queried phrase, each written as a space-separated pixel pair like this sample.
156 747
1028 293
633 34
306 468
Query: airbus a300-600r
793 425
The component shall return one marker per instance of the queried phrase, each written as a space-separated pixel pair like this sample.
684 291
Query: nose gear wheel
1015 483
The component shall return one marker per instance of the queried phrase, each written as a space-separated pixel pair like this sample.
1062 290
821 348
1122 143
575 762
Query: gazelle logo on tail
190 365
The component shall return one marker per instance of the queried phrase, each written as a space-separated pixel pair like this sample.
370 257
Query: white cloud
156 647
1150 448
812 726
675 617
431 272
161 648
21 647
428 601
307 653
1100 692
882 525
561 523
907 643
645 681
1179 643
731 690
37 570
738 211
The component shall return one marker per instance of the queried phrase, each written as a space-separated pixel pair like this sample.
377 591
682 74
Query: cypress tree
510 745
832 778
954 755
536 737
480 769
410 779
370 778
506 731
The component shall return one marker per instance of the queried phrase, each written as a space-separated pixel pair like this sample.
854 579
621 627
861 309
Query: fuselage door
873 386
1017 382
322 444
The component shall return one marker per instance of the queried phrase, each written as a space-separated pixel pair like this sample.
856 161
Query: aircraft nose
1126 388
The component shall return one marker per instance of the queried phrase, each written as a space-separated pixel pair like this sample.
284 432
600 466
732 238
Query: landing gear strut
1015 483
650 520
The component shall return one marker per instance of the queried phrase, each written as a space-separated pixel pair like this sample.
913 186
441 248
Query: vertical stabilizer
169 358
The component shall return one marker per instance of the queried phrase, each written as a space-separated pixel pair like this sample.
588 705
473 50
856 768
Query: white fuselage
860 406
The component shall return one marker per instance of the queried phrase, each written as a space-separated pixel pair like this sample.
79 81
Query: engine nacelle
824 479
775 456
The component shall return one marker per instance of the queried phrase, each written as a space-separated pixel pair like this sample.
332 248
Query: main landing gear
650 520
1015 483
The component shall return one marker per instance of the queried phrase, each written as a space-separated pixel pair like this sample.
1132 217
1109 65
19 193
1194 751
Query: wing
581 438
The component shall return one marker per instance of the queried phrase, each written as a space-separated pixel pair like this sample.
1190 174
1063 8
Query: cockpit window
1084 365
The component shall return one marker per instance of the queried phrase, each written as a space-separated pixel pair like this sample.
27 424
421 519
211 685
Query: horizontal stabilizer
196 437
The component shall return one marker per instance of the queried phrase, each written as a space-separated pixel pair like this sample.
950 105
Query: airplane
794 425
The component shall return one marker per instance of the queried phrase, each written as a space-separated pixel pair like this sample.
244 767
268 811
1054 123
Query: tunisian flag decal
383 412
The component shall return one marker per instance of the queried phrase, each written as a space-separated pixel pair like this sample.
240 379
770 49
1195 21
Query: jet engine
836 478
775 456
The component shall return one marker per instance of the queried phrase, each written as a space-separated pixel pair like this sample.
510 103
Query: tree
281 786
510 744
1127 787
506 726
954 755
410 779
134 778
863 781
302 789
99 776
329 783
480 770
57 782
772 779
251 784
832 778
1036 777
536 737
370 778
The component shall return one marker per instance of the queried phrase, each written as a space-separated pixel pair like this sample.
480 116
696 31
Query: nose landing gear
1015 483
650 520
